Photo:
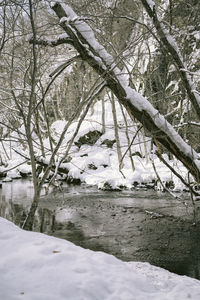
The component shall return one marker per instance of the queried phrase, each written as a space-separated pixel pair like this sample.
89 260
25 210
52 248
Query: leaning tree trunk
168 43
81 36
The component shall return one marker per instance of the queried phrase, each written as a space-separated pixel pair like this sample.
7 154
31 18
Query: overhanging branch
137 106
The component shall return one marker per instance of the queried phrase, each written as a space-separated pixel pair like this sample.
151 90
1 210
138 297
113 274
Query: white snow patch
151 3
39 267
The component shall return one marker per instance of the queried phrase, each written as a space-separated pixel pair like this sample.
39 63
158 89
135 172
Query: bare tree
82 37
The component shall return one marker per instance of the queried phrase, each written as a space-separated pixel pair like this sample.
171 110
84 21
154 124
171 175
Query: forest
138 60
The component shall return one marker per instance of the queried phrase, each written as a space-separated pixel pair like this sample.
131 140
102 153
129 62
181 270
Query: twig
131 143
175 173
192 199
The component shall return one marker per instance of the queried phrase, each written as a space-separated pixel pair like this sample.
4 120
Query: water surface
141 225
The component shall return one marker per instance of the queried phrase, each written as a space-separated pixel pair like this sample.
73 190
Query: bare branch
64 65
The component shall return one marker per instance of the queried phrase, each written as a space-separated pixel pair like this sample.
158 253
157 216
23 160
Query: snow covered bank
39 267
96 162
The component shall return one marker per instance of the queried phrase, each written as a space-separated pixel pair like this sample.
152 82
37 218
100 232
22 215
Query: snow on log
138 107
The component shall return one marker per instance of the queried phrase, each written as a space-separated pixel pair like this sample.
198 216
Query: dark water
132 225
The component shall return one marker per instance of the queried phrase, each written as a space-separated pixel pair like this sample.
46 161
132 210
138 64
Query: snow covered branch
171 46
62 39
137 106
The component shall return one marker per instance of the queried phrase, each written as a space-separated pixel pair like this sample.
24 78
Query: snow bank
98 164
35 266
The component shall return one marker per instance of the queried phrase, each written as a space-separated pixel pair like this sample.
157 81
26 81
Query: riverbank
36 266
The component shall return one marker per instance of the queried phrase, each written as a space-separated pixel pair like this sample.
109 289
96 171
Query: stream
137 225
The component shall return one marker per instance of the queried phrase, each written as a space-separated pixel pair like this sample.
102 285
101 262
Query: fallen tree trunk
138 107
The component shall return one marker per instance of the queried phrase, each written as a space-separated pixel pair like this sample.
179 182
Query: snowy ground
98 164
35 266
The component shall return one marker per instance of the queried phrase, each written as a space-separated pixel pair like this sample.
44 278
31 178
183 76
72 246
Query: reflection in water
132 225
12 211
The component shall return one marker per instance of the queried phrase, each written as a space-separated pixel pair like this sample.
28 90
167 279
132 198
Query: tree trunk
119 152
128 139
